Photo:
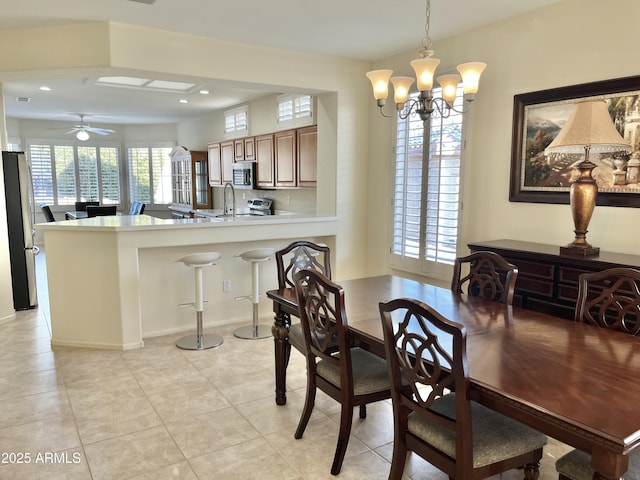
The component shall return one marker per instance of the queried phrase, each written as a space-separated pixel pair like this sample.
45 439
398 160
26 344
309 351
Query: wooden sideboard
547 281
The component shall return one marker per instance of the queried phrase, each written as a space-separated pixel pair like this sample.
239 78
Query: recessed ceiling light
183 100
44 88
204 92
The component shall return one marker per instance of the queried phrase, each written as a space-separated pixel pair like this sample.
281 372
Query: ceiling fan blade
73 130
100 131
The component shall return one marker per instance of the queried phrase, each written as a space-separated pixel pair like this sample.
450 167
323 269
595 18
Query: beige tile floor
162 413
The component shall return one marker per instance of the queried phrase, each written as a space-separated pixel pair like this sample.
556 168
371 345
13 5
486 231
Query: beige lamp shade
380 83
401 86
471 75
425 68
449 84
589 124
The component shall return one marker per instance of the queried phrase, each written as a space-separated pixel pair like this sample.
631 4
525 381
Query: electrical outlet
226 286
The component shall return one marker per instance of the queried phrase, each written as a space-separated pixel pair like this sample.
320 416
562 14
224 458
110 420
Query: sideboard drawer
525 283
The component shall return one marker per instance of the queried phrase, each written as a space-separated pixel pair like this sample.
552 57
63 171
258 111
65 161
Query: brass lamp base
585 251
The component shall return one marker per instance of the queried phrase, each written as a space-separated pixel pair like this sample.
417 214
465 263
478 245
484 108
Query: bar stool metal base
192 342
199 341
251 333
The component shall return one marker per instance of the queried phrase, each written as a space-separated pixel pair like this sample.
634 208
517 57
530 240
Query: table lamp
589 128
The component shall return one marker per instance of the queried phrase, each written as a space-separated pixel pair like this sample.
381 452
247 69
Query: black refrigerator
20 219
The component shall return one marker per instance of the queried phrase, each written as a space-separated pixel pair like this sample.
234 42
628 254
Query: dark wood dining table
577 383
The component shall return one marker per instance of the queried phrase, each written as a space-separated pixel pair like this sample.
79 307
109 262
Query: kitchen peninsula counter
115 280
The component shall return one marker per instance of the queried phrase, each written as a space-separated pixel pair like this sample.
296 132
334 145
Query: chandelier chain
426 41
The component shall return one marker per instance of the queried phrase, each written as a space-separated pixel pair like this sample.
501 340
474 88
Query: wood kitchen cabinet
265 174
200 190
215 167
221 159
227 159
285 158
244 149
547 281
190 178
307 157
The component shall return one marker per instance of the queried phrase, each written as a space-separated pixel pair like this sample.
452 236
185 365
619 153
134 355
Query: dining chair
458 436
490 277
351 376
100 211
300 255
137 208
608 299
82 206
48 214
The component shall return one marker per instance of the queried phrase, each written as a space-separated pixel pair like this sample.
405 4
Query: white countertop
146 222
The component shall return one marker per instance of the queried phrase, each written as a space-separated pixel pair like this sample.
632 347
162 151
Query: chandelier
425 67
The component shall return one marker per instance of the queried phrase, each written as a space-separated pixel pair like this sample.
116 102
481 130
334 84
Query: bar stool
254 330
199 341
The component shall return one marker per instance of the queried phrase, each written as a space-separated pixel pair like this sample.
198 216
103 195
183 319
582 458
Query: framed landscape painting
538 117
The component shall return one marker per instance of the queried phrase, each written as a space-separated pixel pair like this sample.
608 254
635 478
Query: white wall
572 42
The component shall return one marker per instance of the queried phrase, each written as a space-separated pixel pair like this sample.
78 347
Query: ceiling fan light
82 135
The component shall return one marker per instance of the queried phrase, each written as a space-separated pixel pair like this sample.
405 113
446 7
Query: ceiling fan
82 130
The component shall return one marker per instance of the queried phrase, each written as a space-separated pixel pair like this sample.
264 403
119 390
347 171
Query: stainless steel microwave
244 175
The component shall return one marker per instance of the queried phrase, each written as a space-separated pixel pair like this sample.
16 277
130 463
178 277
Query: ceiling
364 30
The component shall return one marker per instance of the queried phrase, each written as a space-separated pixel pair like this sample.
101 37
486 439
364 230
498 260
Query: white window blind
427 190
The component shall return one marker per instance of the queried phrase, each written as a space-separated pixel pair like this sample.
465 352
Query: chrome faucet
229 208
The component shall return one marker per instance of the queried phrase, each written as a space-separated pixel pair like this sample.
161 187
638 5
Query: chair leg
346 417
398 459
363 411
531 471
308 408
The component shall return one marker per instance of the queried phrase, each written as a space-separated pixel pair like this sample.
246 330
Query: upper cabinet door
285 158
227 157
250 149
307 142
264 161
215 168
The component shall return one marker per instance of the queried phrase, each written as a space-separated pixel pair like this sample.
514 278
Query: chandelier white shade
424 68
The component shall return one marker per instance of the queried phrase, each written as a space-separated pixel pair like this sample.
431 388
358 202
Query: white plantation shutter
427 191
236 122
65 161
64 173
42 173
294 111
110 175
149 170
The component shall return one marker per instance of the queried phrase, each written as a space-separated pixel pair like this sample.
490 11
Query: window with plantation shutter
42 173
63 172
294 111
149 171
236 122
426 199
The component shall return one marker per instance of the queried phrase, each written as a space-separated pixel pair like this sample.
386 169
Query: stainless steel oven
244 174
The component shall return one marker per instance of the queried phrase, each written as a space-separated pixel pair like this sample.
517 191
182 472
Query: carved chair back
610 299
490 277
